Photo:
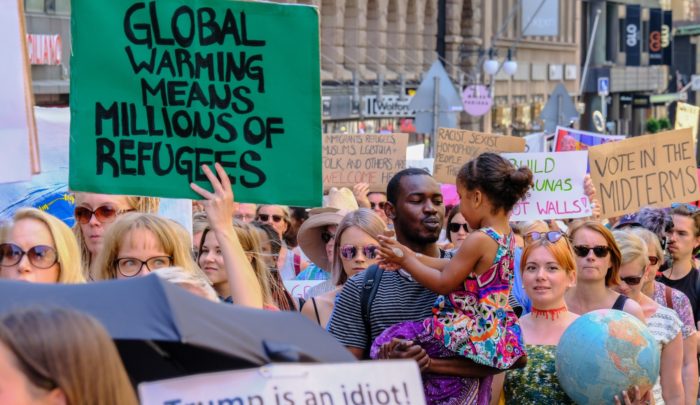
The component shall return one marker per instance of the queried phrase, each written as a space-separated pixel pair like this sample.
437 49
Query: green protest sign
159 88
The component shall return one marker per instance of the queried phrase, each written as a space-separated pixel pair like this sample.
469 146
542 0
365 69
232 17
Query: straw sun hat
337 205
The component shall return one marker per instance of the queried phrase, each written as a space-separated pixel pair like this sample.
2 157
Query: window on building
50 7
34 6
62 6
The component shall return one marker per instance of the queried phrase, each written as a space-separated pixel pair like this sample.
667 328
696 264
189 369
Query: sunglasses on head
689 207
632 280
327 237
454 227
348 252
551 236
379 204
40 256
266 217
598 251
104 214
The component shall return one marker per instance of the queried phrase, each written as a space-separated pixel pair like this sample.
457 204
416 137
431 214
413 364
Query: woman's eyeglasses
129 266
104 214
454 227
551 236
327 237
41 256
266 217
598 251
348 252
632 280
653 260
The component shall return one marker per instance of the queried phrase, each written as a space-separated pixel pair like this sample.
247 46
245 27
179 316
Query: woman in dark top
598 262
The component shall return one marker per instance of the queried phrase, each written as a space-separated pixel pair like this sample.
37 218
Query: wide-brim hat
309 236
337 199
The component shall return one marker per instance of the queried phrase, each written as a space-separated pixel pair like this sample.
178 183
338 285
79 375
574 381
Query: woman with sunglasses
547 271
598 262
677 301
662 322
457 228
37 247
355 248
289 263
94 214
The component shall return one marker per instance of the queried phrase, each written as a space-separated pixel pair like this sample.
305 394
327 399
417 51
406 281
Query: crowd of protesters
400 275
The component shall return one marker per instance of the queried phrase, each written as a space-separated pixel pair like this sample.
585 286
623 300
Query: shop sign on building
389 106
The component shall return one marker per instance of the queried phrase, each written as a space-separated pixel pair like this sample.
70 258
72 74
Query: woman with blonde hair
94 214
662 322
355 249
52 355
37 247
598 261
211 261
137 244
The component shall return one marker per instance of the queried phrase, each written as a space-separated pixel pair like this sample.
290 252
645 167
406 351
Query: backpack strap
370 284
668 296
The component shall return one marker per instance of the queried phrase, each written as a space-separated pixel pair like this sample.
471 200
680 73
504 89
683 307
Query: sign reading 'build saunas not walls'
160 88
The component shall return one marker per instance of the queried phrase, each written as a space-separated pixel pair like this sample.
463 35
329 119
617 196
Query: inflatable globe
603 353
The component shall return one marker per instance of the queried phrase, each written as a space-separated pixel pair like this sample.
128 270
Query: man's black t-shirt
688 285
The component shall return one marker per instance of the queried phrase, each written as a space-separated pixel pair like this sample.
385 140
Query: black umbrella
164 331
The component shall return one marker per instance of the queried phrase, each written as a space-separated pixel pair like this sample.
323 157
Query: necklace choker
548 313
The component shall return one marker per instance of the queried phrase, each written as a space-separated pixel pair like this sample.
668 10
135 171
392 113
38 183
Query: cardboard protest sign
160 88
426 164
536 142
455 147
687 117
298 288
17 129
349 159
557 192
569 139
654 170
395 382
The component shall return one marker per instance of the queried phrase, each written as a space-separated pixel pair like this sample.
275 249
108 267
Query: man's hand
405 350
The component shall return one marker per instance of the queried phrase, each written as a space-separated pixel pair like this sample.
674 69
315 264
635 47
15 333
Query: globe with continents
603 353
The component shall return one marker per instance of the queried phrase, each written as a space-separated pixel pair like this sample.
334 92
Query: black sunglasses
454 227
551 236
379 204
599 251
327 237
632 280
266 217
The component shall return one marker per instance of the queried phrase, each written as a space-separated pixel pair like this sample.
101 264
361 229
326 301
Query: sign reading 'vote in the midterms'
160 88
646 170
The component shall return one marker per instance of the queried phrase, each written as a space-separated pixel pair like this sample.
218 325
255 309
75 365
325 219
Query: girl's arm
245 288
671 380
453 274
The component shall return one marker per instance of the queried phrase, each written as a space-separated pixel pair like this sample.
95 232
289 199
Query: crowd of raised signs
478 301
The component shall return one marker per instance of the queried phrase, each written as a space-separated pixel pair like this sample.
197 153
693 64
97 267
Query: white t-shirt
664 325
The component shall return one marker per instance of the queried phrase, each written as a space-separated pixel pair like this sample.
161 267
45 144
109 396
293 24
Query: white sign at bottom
377 382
